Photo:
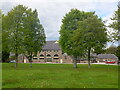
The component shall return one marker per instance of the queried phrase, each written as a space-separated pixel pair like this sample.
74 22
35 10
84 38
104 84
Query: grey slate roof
51 45
93 55
107 56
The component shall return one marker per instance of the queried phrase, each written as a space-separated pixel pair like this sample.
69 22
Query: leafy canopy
70 23
91 33
115 24
22 31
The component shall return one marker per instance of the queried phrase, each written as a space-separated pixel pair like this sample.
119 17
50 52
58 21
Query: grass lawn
59 76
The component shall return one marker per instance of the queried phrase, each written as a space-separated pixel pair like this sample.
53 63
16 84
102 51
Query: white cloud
51 12
60 0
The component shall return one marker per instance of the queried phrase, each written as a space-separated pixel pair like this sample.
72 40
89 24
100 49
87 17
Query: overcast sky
51 12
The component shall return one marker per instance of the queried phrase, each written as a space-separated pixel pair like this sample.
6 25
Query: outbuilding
107 58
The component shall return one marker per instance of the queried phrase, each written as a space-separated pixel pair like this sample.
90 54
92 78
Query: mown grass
59 76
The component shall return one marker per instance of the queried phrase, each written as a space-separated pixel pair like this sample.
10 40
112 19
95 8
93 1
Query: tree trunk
45 57
16 46
29 57
31 64
89 57
75 63
16 57
30 60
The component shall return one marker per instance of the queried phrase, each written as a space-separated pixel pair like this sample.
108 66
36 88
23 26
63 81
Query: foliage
0 31
80 32
15 19
5 56
13 30
91 34
115 25
111 50
0 34
118 52
99 50
5 39
35 39
22 32
69 25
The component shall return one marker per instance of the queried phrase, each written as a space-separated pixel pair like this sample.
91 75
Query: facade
51 53
102 58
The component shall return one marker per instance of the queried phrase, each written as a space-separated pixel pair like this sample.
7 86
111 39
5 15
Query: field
59 76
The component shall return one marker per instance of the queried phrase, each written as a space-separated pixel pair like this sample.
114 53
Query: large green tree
115 25
14 27
23 31
118 52
0 35
91 34
34 36
111 50
99 50
5 39
69 25
114 50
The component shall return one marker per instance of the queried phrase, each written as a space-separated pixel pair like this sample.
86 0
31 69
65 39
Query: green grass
59 76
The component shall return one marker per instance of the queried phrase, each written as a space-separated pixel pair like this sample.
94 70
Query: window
56 58
41 55
48 55
56 55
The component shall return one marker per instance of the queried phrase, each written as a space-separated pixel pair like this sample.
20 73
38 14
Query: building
51 53
102 58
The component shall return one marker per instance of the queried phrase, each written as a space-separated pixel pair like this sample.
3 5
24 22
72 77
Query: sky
51 12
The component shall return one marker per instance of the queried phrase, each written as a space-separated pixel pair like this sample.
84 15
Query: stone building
51 53
102 58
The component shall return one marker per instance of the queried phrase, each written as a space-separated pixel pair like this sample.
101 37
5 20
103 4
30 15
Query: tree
114 50
0 34
5 56
99 50
34 36
91 34
69 25
111 50
118 52
15 20
115 25
5 39
23 31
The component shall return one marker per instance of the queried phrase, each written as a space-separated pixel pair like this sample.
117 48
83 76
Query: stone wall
52 56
